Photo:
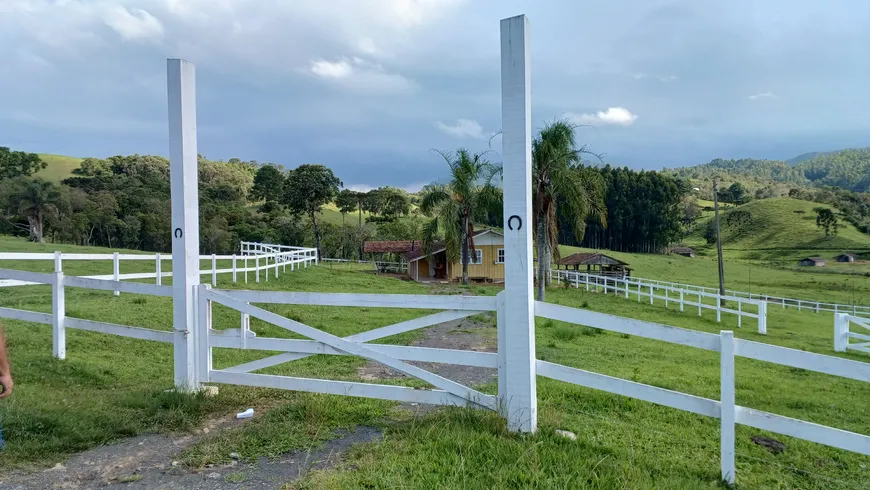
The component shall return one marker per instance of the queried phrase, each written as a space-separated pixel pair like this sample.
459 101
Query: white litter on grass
246 414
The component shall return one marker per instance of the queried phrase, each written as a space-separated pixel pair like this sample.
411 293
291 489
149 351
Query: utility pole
719 242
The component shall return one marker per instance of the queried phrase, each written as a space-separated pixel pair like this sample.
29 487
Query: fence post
799 305
246 268
213 270
638 291
116 269
245 328
667 296
519 317
718 307
727 412
234 268
739 313
58 310
204 324
762 318
682 303
266 267
257 268
185 220
651 294
625 281
158 271
699 304
841 332
277 265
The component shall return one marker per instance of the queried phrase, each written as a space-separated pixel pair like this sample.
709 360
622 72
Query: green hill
59 167
782 224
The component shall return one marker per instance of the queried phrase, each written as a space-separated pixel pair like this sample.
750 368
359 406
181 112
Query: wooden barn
596 263
487 261
846 258
684 251
812 262
389 255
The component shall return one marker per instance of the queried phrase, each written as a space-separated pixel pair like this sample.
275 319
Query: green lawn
111 387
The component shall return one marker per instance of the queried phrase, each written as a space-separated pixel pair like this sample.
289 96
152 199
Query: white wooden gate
447 392
843 323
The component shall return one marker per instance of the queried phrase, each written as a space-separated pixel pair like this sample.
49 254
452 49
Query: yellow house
486 264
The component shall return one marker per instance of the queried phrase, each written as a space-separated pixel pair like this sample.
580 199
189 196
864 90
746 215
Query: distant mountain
848 169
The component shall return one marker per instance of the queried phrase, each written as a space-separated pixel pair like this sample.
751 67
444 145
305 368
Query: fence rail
800 304
633 287
255 257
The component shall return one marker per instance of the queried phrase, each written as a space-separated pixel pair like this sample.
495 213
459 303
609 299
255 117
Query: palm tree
454 207
37 199
559 179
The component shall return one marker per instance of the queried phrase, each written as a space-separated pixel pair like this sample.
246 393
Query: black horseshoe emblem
510 221
178 233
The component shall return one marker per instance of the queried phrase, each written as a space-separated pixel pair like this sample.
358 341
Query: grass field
59 167
110 388
781 229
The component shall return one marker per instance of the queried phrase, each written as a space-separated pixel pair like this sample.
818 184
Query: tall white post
213 270
58 310
841 332
762 318
116 269
234 268
183 172
727 413
516 102
158 271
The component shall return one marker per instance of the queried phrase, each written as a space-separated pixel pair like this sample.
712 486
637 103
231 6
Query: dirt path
149 462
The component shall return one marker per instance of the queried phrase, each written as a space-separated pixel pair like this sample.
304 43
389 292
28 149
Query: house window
500 259
477 258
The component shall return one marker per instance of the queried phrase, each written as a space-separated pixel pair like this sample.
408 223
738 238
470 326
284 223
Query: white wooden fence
446 392
843 332
249 261
639 288
799 304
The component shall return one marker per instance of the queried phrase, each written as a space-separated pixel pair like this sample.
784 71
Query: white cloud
359 75
661 78
763 95
613 115
359 187
134 24
463 128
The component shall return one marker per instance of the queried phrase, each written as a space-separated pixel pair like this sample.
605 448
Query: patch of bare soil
149 462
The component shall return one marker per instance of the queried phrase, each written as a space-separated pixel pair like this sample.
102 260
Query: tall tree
18 163
268 183
827 220
558 179
454 207
34 200
347 202
307 189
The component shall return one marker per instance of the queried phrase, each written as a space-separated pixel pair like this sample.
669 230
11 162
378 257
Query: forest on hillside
847 169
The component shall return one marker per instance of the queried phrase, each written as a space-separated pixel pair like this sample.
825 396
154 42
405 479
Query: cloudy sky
368 87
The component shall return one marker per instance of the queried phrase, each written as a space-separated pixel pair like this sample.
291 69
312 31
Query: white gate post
58 310
841 332
519 325
762 318
181 89
727 412
116 269
158 271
